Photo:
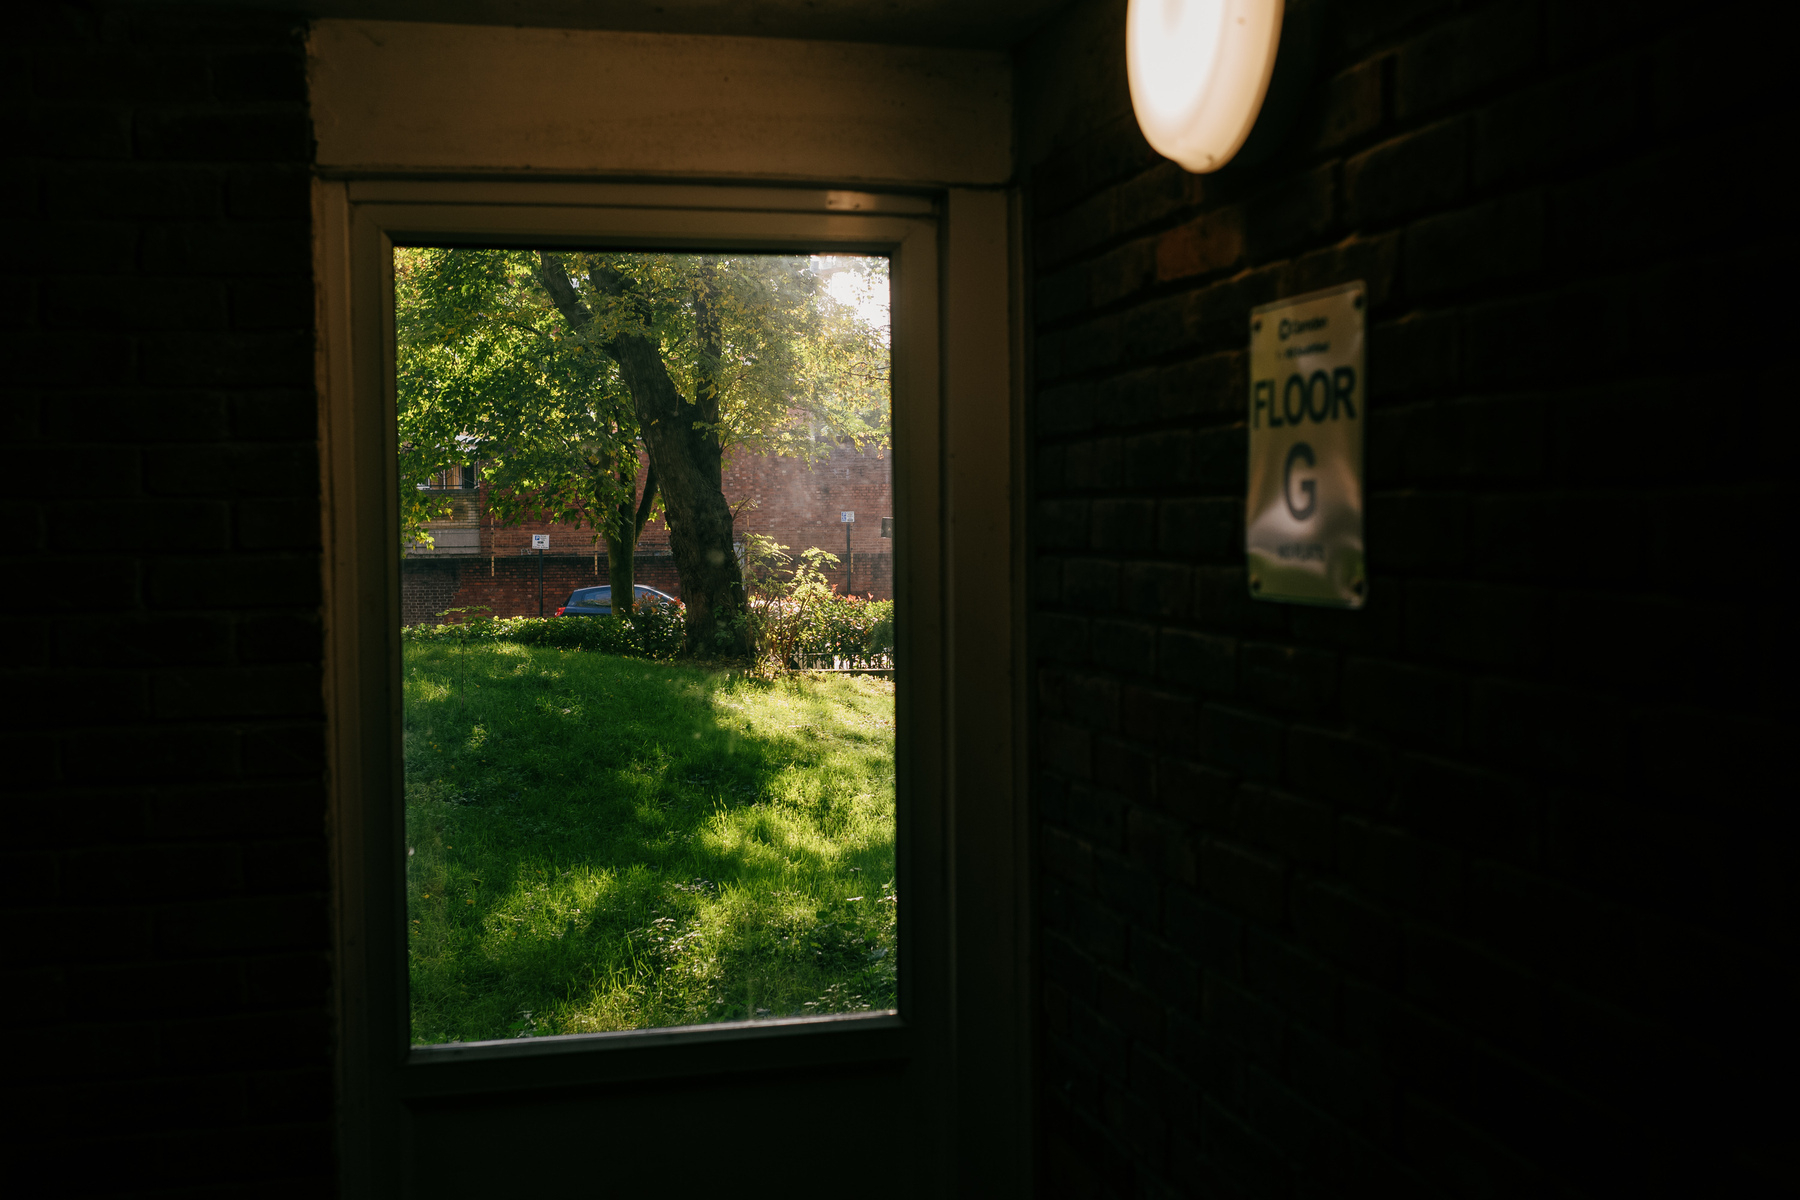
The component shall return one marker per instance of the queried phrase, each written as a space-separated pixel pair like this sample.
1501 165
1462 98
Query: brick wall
164 866
1476 891
508 586
782 498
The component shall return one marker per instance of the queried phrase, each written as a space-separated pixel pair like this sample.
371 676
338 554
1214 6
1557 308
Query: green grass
601 843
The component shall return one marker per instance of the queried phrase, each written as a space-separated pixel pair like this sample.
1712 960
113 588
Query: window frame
961 1031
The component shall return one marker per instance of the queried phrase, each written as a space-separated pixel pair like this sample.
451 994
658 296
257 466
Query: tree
555 369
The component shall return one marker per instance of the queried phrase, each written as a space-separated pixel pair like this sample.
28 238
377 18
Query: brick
272 304
1396 866
1351 105
1460 980
1342 1082
1091 584
1062 524
1298 211
1158 717
227 360
238 692
280 524
1479 624
1068 857
1067 748
1531 132
86 131
124 415
1485 245
284 750
1417 356
1210 243
1099 933
134 303
259 76
1241 741
178 525
1490 45
1424 1052
1201 529
1299 830
1423 707
1092 464
1162 846
155 871
1348 930
1247 883
1154 589
280 638
1420 171
1292 978
1477 809
1204 662
1126 526
1125 888
1375 260
1123 646
131 190
1222 602
243 136
243 581
275 923
1288 678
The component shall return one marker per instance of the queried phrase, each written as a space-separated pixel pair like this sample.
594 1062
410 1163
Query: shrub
796 618
648 633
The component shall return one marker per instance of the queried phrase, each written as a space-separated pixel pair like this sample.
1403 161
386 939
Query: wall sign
1303 527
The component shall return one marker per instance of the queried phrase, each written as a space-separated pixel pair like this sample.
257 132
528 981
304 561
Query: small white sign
847 518
1303 517
540 541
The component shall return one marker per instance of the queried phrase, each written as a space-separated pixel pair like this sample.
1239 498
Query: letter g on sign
1309 487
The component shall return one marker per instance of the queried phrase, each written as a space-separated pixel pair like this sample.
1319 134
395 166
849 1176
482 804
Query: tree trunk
621 531
688 461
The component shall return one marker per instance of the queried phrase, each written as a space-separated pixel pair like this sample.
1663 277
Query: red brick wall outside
508 587
781 498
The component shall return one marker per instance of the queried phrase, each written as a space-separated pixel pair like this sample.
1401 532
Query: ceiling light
1198 70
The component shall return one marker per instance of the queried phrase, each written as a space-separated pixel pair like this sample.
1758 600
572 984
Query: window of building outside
680 810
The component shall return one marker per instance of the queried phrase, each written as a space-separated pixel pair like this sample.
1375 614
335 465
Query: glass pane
682 813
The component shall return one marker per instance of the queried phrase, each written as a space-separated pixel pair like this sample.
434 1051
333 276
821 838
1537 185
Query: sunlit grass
604 843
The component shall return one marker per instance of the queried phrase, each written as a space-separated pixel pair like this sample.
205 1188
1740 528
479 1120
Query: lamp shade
1198 70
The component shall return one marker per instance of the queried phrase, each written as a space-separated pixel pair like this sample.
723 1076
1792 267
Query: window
600 836
423 1116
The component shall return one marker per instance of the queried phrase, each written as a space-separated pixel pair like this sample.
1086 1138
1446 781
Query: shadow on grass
606 843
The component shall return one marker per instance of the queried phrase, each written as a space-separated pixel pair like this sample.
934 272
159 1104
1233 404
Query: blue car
597 601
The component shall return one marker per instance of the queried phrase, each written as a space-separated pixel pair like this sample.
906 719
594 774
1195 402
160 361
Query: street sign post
1303 515
848 519
540 542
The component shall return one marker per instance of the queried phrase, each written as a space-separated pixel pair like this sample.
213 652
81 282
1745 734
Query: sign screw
1358 300
1255 584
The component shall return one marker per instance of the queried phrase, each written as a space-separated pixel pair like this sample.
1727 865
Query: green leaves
488 369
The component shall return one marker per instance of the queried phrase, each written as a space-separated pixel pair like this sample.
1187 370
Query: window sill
685 1052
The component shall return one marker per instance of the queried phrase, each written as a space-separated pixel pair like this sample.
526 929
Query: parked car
597 601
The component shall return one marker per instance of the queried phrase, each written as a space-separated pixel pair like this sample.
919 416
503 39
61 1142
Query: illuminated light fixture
1198 71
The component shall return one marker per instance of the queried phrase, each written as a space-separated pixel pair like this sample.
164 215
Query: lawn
601 843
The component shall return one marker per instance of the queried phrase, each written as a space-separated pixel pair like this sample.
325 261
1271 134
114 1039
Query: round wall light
1198 71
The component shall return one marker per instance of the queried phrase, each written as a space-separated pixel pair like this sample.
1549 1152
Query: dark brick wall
164 865
1475 892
